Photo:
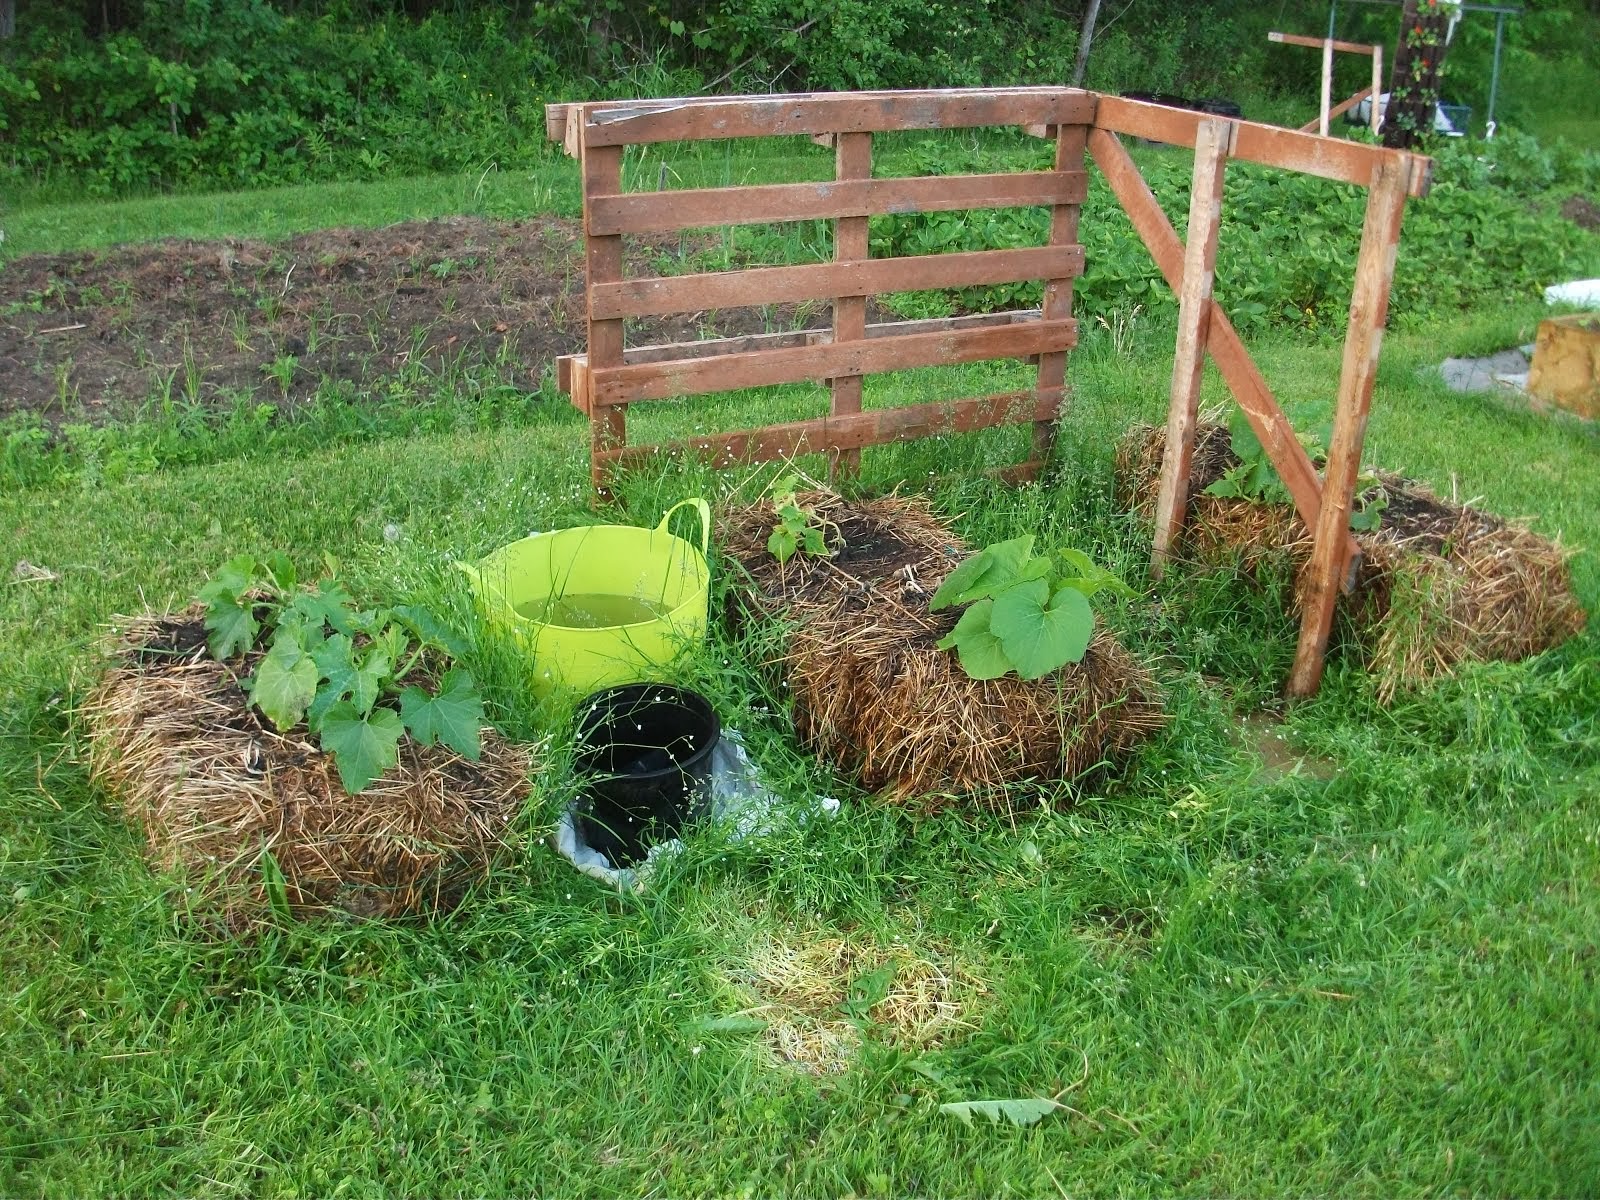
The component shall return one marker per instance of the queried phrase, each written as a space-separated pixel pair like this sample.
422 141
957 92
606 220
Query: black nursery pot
644 753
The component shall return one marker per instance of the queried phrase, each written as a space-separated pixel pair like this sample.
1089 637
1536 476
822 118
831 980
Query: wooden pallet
610 376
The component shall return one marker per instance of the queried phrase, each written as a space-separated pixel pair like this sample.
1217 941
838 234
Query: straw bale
215 790
1439 584
874 695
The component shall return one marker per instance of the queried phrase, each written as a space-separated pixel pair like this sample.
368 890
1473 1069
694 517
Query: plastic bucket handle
703 509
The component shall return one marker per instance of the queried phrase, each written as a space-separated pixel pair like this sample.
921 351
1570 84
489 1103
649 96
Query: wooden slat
691 208
1057 300
711 347
807 114
1338 110
1327 158
853 431
1316 43
819 281
661 381
1194 312
1369 307
852 160
602 172
1238 370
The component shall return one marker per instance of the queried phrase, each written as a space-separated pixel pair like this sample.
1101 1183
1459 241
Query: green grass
1379 983
271 213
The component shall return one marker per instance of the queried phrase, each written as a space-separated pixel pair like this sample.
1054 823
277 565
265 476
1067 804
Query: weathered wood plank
1338 110
1194 313
711 347
1316 43
636 122
1327 158
1238 370
851 432
1331 559
820 281
602 172
691 208
852 160
1056 303
661 381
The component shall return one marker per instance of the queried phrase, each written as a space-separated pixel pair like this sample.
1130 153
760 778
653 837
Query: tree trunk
1091 14
8 18
1414 86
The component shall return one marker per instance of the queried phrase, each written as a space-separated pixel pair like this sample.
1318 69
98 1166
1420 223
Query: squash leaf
453 717
364 747
1040 632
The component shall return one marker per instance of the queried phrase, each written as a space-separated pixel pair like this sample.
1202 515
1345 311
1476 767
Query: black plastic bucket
644 752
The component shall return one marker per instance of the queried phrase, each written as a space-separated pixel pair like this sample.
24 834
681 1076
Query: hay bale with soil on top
1440 584
215 790
875 697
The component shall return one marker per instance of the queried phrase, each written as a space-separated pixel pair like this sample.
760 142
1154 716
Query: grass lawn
1371 973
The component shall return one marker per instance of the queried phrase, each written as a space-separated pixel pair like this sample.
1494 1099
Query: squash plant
1022 614
797 528
342 670
1256 479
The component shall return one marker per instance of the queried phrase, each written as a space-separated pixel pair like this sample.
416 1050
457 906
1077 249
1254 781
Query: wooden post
1369 307
1327 86
1375 108
1057 303
852 160
1212 144
602 176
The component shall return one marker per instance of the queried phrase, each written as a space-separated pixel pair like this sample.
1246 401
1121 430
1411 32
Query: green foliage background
128 95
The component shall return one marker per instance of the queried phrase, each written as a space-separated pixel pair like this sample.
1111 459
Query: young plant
1257 480
1022 615
346 672
797 529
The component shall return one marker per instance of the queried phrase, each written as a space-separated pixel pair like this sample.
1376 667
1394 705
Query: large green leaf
453 717
1018 1112
363 747
982 656
336 666
285 683
372 673
230 626
1040 632
987 573
233 579
330 603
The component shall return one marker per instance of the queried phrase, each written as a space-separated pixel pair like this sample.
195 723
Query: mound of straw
1440 583
875 697
222 797
801 990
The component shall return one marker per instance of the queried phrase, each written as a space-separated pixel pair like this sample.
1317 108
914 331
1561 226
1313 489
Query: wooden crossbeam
818 281
692 208
618 385
847 433
1194 316
1326 158
1331 561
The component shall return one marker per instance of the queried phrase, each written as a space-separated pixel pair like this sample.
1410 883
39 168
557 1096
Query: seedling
1257 480
1022 615
343 671
797 528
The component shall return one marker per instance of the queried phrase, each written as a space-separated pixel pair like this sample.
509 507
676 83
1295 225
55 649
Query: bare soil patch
96 334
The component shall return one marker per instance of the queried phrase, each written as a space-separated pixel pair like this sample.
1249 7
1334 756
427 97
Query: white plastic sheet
739 801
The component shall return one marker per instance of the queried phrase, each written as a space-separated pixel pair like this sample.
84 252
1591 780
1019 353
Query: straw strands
1439 584
875 697
232 805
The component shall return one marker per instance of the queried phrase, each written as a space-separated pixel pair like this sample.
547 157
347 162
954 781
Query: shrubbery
1288 242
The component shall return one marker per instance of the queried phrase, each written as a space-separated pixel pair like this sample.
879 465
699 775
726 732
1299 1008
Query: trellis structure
610 376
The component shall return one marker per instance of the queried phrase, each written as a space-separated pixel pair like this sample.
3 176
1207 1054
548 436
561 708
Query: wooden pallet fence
610 376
